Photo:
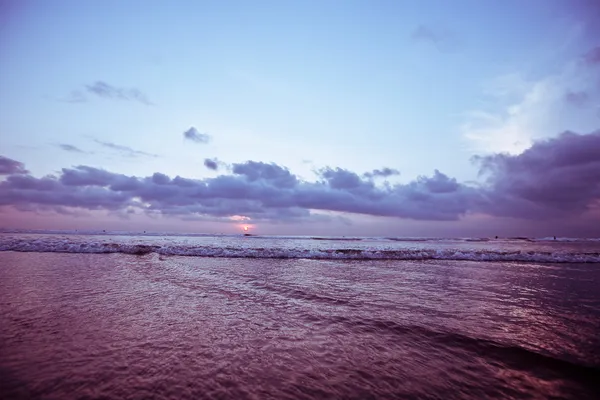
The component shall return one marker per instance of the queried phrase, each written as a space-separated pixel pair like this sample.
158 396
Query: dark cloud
194 135
86 176
103 89
340 178
442 38
160 179
272 173
211 164
439 183
9 166
124 150
70 148
556 178
382 173
579 99
25 190
258 190
587 15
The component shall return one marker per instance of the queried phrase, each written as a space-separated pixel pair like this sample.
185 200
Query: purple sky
346 118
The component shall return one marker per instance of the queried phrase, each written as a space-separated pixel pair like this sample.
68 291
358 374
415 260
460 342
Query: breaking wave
67 246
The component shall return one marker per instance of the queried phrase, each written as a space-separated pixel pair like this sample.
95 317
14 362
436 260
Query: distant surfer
554 237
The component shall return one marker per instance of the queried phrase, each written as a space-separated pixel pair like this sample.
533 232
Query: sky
376 118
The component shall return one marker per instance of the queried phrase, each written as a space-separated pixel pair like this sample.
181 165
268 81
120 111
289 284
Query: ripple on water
150 326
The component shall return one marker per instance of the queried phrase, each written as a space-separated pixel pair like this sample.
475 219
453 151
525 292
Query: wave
510 354
337 238
295 237
67 246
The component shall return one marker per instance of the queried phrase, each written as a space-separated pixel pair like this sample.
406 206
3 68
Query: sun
246 228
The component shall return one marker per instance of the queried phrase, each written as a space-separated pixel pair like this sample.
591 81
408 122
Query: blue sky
359 85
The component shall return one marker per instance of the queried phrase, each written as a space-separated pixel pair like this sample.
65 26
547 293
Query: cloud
439 183
340 178
124 150
195 136
382 173
272 173
442 38
519 122
256 190
593 56
554 178
557 177
579 99
587 14
9 166
107 91
70 148
211 164
522 111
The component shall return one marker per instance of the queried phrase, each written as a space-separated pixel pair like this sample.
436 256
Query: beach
189 317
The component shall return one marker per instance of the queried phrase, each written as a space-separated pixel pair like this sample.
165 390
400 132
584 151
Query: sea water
172 316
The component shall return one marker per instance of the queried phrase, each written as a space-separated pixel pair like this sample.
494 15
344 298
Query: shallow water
156 326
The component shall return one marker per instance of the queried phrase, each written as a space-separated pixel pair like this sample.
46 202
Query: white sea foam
296 237
250 249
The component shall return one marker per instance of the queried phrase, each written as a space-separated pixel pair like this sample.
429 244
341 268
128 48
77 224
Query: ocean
93 315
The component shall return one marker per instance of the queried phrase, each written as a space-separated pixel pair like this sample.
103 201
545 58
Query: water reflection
182 327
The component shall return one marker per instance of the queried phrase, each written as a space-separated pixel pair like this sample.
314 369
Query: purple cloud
124 150
593 56
103 89
160 179
579 99
86 176
258 190
211 164
439 183
70 148
195 136
382 173
9 166
274 174
556 178
340 178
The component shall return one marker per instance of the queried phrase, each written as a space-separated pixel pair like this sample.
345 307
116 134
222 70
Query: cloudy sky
407 118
